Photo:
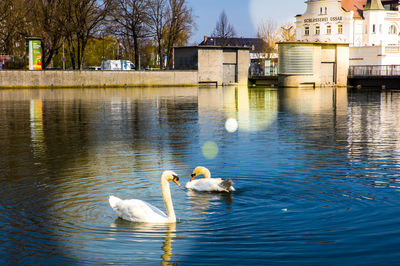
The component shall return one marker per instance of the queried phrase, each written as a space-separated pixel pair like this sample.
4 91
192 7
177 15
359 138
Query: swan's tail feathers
227 184
113 201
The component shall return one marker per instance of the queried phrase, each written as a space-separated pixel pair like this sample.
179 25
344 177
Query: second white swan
207 183
136 210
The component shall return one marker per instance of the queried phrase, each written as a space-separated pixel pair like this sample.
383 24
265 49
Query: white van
117 65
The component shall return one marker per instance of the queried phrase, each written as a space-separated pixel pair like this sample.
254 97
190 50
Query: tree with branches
268 31
132 18
48 22
157 25
83 17
223 28
288 32
13 26
180 24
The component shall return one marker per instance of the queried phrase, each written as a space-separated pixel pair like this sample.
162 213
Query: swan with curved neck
207 183
136 210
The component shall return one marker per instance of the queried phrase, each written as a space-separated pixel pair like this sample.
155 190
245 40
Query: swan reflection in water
150 230
202 201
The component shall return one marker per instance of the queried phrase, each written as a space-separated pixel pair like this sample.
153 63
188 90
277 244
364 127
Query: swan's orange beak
192 177
176 180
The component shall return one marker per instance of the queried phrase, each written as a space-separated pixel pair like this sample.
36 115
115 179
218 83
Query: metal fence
374 70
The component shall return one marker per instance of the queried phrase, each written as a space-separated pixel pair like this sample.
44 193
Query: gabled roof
256 45
358 6
354 5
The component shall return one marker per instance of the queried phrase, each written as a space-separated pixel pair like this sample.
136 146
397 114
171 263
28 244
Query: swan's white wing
207 184
139 211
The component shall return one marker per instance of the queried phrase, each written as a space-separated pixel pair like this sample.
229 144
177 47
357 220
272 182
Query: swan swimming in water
136 210
207 183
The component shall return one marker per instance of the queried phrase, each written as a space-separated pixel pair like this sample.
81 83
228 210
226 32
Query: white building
371 28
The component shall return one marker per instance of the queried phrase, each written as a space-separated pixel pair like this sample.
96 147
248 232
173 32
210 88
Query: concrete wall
9 79
342 64
334 54
243 65
210 65
212 60
375 55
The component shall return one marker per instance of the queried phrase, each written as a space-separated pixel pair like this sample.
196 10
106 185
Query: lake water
316 172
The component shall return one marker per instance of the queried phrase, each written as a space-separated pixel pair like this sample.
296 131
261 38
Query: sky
244 15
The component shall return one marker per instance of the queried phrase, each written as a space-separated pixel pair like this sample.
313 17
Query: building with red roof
370 27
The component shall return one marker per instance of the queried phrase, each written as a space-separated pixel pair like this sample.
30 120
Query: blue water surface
316 173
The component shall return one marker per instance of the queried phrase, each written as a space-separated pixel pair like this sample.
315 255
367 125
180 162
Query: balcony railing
392 49
374 70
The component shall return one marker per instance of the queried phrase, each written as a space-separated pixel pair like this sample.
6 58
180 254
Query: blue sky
243 14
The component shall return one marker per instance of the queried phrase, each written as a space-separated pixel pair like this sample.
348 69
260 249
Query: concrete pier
70 79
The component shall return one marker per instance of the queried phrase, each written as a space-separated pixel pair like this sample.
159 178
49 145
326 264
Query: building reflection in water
36 125
314 101
374 126
253 108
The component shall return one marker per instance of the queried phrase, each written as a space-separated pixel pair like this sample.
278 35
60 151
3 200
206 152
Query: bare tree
157 25
288 32
179 26
132 19
48 22
4 10
13 26
223 28
268 31
83 19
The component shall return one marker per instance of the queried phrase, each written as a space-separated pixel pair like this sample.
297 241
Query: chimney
205 39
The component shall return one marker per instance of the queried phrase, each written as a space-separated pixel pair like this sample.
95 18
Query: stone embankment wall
18 79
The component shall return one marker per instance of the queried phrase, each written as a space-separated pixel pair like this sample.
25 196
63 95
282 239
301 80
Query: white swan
139 211
207 183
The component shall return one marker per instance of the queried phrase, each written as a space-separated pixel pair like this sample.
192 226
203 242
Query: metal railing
374 70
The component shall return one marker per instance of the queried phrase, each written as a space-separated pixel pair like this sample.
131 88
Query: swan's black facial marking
176 180
192 177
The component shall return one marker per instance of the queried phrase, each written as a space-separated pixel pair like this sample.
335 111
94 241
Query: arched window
340 29
392 29
328 29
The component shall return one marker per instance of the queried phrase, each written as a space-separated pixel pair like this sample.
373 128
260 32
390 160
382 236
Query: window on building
373 28
340 29
392 29
320 11
326 10
317 30
307 31
328 29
